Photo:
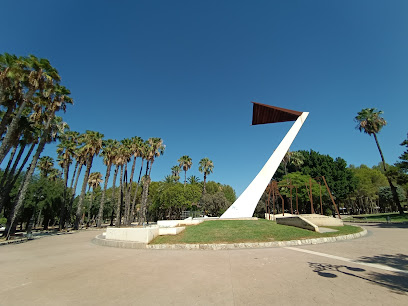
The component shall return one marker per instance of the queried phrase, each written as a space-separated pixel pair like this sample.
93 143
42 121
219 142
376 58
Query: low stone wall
321 220
170 230
297 221
141 234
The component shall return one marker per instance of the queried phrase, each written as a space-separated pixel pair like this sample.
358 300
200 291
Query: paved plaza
70 270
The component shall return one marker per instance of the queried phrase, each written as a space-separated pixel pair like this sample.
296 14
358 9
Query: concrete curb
99 240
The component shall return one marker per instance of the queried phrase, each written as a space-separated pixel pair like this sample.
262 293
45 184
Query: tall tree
108 153
185 163
94 180
92 145
51 101
45 165
21 78
206 166
175 172
144 155
66 152
122 158
155 149
370 122
403 162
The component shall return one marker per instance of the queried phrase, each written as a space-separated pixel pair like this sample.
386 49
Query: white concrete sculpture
245 205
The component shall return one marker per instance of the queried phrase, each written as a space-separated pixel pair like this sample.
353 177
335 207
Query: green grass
246 231
394 217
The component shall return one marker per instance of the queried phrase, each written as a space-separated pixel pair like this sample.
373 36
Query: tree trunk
119 206
12 128
6 119
13 169
81 197
124 191
205 178
135 196
105 186
393 188
23 191
5 173
73 192
145 194
89 208
73 174
5 195
64 200
185 178
115 174
128 194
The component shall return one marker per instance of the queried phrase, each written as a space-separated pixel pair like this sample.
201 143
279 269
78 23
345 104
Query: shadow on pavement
398 261
396 282
383 225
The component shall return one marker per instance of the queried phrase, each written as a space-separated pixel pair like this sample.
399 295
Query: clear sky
186 71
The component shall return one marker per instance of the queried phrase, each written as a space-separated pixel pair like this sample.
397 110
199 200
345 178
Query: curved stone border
100 240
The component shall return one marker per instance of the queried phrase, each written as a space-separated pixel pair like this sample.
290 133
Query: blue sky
186 71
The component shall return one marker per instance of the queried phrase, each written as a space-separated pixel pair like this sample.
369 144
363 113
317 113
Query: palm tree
127 153
94 180
154 149
292 157
193 180
91 148
54 125
185 163
206 166
30 73
175 172
122 158
144 147
66 151
108 153
45 165
54 175
135 150
370 122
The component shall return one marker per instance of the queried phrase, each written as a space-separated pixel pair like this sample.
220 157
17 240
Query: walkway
70 270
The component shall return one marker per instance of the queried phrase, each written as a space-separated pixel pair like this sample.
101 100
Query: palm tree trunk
145 194
185 178
393 188
5 173
124 191
73 174
128 194
73 190
5 120
135 196
64 200
23 191
12 128
119 206
115 174
8 181
205 178
81 197
105 186
89 208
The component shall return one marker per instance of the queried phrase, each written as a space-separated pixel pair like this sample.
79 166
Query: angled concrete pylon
245 205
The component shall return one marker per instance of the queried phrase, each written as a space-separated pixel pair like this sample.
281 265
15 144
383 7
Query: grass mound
229 231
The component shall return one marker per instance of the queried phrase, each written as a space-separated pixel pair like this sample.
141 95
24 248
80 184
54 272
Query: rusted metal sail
263 113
